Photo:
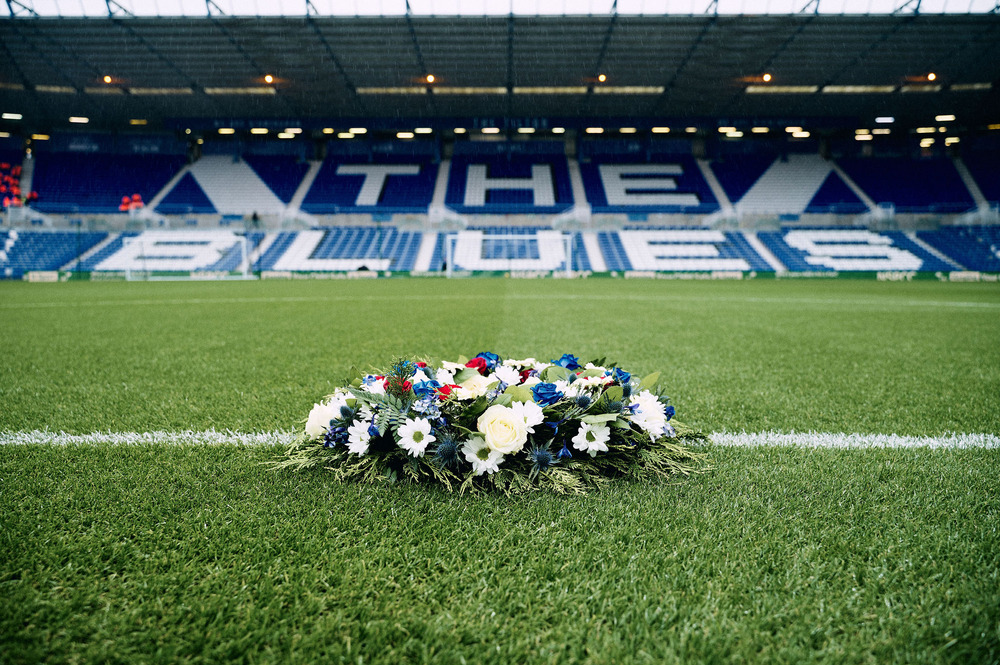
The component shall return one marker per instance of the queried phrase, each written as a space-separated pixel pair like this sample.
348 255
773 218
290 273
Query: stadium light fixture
4 135
258 130
993 127
12 116
107 79
187 131
760 130
558 130
490 130
801 135
926 143
660 130
932 76
951 140
926 130
285 135
525 130
200 141
328 130
39 137
626 130
885 120
594 130
945 117
602 78
293 130
268 78
863 137
423 130
430 78
735 134
226 130
968 87
766 78
862 131
726 130
345 135
792 130
138 122
691 130
459 130
404 135
358 130
882 130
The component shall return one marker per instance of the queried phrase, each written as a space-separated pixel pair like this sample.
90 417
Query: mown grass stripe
879 302
742 440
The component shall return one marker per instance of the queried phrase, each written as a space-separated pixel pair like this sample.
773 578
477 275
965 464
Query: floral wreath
511 424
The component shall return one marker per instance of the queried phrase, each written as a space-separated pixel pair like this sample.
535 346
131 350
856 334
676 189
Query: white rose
322 414
475 386
503 428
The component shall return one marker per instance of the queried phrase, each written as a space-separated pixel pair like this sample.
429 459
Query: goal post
509 239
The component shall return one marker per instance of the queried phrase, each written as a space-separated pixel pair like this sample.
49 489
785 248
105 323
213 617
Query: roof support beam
19 8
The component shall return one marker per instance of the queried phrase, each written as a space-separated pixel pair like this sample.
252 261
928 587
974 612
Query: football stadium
277 278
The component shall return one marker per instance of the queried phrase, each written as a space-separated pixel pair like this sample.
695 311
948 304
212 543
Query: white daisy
649 413
414 435
508 375
358 437
483 458
592 438
531 412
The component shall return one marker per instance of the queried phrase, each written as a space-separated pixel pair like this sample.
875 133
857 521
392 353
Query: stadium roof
643 70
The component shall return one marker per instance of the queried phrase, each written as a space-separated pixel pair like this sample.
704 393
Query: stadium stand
345 248
973 247
849 250
503 248
187 197
650 176
281 173
922 185
25 251
363 177
509 178
983 162
70 182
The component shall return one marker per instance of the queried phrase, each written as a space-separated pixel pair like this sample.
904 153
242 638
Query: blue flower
546 394
620 377
669 411
335 435
568 361
583 401
425 388
492 359
446 453
543 458
565 453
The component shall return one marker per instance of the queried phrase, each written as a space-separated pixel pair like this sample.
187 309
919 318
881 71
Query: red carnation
444 391
478 364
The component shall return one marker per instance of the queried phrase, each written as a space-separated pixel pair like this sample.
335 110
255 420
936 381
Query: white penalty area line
743 439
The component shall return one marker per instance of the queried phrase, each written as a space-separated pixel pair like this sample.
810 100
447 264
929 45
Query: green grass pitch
201 554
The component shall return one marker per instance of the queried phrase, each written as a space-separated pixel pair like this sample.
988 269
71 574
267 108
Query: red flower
478 364
525 375
421 365
444 391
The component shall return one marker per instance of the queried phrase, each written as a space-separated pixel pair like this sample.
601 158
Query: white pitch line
744 439
831 440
